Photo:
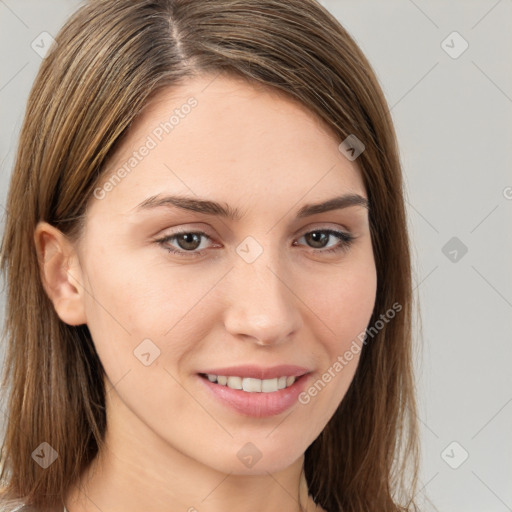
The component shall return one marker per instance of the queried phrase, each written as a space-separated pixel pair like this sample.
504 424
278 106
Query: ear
60 272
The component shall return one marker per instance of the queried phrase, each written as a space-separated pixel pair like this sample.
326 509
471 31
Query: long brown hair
109 59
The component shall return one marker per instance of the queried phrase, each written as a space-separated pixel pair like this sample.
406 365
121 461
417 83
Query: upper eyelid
301 232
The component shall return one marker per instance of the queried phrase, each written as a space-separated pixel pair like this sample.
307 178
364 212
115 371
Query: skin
170 446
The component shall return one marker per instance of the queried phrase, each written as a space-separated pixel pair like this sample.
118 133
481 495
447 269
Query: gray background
453 118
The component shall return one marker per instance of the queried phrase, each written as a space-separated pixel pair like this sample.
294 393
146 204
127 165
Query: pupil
317 236
188 237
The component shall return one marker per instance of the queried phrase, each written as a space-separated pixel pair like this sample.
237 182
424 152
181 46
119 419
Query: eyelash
346 240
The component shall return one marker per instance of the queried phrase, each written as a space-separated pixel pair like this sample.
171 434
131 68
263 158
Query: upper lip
259 372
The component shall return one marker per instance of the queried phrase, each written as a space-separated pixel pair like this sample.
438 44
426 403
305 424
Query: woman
209 285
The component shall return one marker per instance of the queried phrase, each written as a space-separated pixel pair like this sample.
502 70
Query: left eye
320 235
189 241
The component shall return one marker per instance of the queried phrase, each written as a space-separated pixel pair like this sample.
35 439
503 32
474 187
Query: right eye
188 242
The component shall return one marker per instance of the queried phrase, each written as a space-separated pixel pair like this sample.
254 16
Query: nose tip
263 308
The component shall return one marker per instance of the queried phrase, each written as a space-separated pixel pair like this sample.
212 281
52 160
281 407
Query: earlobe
60 272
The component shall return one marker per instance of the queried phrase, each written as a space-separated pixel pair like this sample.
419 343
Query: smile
252 385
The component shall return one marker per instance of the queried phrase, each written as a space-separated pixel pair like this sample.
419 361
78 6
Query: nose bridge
262 305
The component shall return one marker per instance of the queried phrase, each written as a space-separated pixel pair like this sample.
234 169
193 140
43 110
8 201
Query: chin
252 458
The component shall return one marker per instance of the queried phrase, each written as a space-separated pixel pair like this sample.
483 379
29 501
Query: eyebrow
223 210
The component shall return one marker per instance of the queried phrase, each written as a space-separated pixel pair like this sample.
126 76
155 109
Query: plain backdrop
445 68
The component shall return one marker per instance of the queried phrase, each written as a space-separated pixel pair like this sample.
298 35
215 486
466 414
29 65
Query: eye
189 241
319 237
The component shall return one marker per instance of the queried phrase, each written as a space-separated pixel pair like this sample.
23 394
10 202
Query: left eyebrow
213 208
336 203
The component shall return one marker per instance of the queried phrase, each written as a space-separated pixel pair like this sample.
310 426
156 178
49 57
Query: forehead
229 139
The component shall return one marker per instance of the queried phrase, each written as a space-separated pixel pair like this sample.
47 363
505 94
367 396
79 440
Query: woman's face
267 287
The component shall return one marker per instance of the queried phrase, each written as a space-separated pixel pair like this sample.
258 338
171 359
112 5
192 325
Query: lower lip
258 404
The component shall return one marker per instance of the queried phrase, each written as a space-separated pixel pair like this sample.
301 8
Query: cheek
354 296
132 301
345 304
140 326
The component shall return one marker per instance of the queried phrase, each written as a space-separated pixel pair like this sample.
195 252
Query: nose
262 306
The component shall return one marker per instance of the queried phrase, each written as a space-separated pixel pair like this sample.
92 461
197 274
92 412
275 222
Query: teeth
234 383
269 385
252 385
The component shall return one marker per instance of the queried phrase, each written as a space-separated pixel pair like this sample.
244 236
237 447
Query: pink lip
258 372
258 405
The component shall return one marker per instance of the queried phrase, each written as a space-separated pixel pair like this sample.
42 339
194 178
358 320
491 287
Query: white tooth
289 381
235 382
269 385
251 385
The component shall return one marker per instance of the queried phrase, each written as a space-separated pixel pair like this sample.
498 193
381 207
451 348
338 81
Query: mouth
251 384
250 396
